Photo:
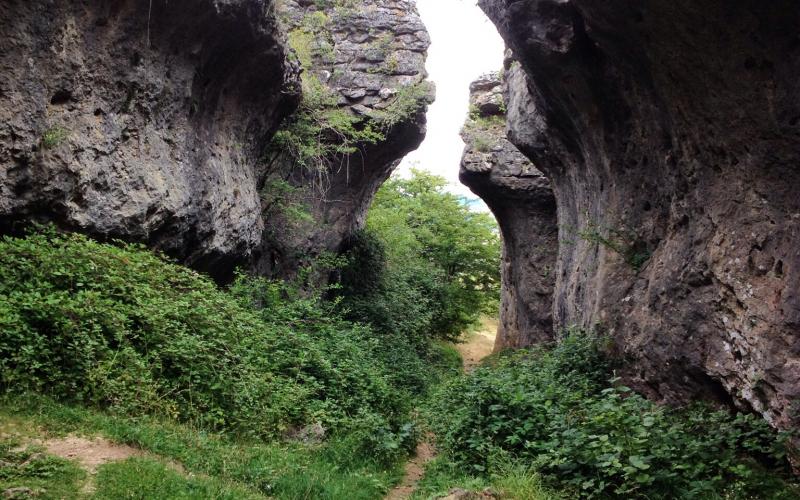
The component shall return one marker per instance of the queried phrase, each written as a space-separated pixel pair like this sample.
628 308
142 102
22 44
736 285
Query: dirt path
476 346
414 470
89 453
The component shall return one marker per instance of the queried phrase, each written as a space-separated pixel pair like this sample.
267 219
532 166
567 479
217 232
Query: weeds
54 136
633 251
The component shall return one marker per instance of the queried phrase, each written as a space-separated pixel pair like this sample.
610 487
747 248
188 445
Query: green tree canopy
440 261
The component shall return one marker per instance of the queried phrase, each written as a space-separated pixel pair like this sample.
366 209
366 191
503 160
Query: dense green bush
555 410
396 301
426 265
118 327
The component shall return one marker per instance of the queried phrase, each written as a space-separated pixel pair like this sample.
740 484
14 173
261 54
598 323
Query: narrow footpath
475 346
478 344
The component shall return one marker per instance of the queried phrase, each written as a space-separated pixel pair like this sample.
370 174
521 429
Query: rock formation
364 70
155 123
671 133
145 122
522 200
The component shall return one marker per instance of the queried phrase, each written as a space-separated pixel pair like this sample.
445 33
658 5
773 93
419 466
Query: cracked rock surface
370 54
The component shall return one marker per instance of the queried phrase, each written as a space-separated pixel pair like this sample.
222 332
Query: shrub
554 410
118 327
320 131
395 301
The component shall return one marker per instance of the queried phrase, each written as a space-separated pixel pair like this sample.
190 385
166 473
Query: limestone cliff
363 110
145 121
156 122
522 200
671 133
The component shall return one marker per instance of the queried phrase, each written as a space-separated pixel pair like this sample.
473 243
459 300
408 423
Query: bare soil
414 470
91 454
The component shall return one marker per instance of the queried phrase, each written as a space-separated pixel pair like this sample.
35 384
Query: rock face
142 122
155 123
671 132
366 58
522 200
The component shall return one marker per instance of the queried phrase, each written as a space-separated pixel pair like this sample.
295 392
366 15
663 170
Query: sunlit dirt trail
475 346
478 344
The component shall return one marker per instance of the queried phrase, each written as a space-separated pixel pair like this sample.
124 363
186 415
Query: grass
510 481
147 478
26 471
216 466
210 465
54 136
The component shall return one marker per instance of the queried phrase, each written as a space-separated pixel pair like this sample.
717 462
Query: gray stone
387 93
521 198
382 45
144 126
671 132
354 94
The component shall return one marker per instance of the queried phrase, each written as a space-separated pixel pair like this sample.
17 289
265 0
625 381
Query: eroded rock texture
671 132
522 200
368 56
144 121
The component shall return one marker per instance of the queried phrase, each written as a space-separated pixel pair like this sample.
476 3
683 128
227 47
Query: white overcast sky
464 45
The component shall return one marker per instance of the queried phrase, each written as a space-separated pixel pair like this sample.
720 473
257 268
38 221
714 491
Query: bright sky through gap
464 45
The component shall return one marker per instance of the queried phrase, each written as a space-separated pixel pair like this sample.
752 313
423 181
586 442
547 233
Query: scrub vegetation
558 416
425 265
279 388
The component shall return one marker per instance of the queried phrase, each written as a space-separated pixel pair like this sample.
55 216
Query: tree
441 261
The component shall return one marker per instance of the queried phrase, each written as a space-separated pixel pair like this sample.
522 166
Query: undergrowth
426 265
560 412
119 328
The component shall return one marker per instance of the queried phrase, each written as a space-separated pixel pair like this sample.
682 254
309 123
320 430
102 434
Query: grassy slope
215 467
